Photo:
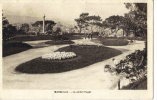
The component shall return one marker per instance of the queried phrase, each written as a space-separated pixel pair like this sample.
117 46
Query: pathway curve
91 77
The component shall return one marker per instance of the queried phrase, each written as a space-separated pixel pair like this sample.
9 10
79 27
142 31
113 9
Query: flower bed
59 55
89 44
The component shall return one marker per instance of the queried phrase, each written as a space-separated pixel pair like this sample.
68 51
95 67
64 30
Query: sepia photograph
77 48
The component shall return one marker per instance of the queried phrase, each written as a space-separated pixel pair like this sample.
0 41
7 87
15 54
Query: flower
58 55
89 44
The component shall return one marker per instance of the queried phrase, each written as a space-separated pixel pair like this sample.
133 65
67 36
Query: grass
111 41
31 38
10 48
58 42
141 84
86 55
15 45
43 37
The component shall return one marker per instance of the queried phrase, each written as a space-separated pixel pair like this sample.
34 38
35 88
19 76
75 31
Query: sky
62 11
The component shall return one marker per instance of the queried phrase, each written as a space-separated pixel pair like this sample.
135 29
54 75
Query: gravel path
91 77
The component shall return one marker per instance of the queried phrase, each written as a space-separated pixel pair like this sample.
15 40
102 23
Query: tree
81 22
48 25
138 16
114 22
93 20
137 19
58 30
7 29
24 28
71 29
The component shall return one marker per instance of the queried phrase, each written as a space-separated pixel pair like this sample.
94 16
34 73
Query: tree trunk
123 33
119 84
141 61
80 29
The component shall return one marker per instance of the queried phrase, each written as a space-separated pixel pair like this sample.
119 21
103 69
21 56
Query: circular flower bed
58 55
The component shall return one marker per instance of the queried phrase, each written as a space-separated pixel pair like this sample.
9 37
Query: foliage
8 30
81 22
48 24
135 64
138 16
141 84
87 23
113 22
58 30
37 23
135 20
24 28
94 20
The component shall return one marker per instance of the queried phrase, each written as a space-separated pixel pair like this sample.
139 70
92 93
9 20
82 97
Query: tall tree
25 27
8 30
48 24
138 16
93 20
81 21
100 27
114 22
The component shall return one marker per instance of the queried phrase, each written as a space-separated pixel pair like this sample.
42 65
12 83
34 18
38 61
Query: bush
59 37
139 85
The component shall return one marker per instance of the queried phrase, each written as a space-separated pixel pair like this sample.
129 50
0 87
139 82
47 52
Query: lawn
58 42
10 48
111 41
31 38
86 55
43 37
15 45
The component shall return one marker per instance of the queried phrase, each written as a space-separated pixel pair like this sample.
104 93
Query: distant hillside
13 19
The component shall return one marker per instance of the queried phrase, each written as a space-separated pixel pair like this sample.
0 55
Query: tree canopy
8 30
37 23
81 21
93 20
113 22
138 16
48 24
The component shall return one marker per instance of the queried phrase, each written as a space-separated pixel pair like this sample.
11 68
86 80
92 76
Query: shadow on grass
10 48
88 55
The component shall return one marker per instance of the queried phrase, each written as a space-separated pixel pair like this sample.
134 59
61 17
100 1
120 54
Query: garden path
91 77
